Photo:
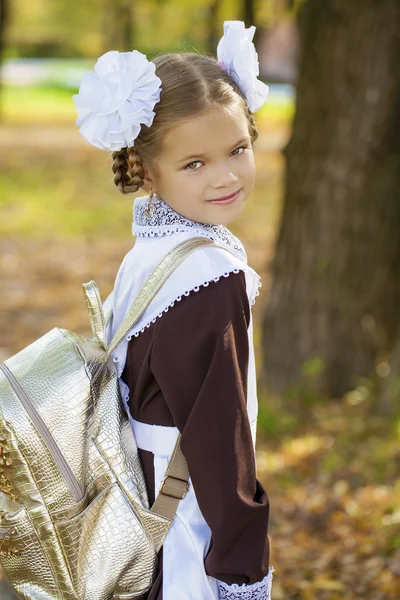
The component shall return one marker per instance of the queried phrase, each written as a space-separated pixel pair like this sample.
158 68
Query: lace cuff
261 590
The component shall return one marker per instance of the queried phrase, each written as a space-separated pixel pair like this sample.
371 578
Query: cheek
179 181
252 161
248 167
191 181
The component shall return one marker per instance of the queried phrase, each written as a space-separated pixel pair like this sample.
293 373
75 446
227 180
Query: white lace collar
167 221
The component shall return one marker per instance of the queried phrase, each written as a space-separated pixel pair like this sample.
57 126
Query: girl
188 363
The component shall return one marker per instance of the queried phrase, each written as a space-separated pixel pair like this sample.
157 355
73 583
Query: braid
128 170
253 127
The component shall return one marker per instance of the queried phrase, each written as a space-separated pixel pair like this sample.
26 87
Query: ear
149 179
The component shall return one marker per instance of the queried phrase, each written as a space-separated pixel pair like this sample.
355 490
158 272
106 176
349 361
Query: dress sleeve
200 360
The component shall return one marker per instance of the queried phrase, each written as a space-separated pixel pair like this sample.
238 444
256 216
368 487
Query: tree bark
335 291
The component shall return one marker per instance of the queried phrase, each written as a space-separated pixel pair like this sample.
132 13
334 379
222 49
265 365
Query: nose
224 178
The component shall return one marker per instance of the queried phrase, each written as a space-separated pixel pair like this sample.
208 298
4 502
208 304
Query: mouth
226 199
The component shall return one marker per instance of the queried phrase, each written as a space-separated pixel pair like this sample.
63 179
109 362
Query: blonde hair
191 83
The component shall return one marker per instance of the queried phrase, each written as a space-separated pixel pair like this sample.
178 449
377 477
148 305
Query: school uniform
187 366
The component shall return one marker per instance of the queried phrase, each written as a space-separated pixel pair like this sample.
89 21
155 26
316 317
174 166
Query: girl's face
205 158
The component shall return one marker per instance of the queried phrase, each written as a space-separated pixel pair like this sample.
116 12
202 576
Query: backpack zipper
8 546
43 430
5 464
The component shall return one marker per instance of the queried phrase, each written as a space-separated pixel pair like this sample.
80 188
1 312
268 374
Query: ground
330 468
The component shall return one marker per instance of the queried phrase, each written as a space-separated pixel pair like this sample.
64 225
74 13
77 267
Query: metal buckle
177 479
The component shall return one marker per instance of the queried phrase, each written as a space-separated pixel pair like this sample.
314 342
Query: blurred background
322 228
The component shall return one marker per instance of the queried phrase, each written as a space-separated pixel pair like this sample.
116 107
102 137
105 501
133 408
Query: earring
149 210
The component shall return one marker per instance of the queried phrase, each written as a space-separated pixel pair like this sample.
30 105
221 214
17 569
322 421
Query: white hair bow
113 102
119 97
238 57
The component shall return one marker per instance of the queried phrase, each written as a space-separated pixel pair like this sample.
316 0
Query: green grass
54 104
61 198
276 112
38 104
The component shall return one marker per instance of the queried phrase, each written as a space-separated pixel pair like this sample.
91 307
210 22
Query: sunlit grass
38 104
59 199
276 111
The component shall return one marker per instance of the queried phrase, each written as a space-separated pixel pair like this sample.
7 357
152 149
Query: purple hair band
222 65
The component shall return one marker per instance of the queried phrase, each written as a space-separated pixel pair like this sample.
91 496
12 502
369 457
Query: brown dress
189 370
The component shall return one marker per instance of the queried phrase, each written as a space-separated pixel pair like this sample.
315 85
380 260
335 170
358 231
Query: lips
224 197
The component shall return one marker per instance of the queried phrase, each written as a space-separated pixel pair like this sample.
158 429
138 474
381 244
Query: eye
187 168
238 148
192 163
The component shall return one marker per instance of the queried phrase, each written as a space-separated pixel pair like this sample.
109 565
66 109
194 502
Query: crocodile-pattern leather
75 521
75 548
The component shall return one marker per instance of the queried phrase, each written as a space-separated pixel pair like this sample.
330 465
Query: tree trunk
334 298
4 18
249 19
248 12
119 25
214 33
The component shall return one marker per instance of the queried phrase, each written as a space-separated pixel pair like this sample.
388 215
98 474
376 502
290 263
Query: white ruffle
199 269
115 100
239 58
195 289
260 590
167 221
186 293
120 367
156 236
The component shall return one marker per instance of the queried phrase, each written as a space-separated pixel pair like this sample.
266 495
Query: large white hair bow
238 57
117 99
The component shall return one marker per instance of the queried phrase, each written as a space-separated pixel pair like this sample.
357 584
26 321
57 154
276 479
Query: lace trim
196 289
260 590
166 221
125 390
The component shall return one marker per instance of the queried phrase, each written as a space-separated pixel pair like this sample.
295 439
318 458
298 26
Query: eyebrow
186 158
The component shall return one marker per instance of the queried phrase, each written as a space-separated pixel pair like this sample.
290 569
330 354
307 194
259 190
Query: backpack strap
99 321
157 278
175 484
96 315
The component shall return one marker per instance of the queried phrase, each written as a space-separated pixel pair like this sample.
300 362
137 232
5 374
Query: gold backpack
75 521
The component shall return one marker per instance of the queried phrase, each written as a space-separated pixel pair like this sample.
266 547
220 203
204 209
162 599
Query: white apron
188 540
